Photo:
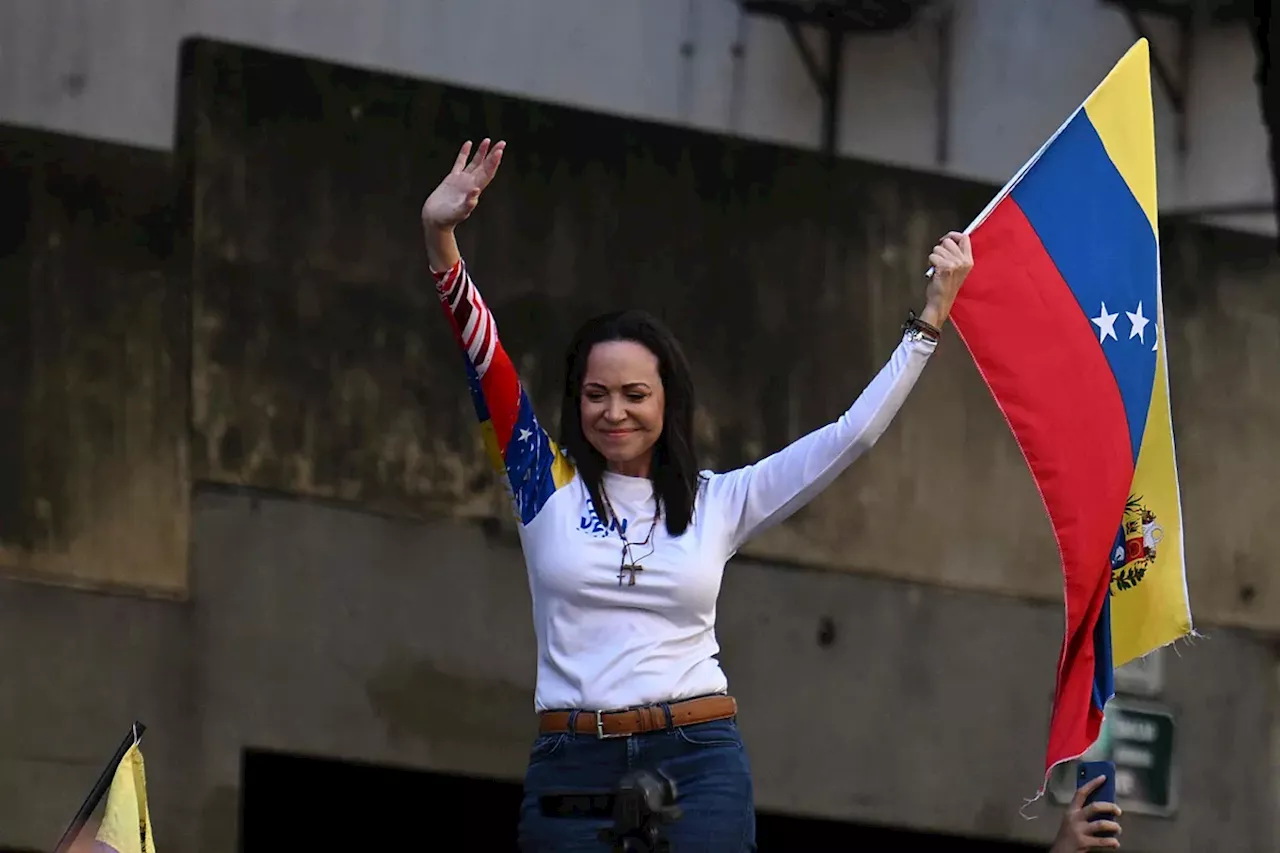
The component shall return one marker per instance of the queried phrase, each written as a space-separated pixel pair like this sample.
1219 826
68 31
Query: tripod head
644 801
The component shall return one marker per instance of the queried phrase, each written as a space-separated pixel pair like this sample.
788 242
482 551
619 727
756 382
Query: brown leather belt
632 721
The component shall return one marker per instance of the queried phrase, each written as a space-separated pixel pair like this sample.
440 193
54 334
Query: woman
625 540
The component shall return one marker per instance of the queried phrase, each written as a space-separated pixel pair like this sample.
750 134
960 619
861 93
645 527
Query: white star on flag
1106 324
525 434
1139 324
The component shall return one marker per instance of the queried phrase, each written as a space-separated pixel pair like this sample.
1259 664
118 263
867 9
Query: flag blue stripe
1101 241
1104 677
477 394
529 459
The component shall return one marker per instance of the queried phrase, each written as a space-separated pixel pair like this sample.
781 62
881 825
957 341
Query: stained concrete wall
79 668
327 632
349 628
94 365
323 630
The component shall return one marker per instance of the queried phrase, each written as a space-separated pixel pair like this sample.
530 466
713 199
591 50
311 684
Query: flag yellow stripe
1155 611
126 820
1152 610
1120 111
491 448
562 470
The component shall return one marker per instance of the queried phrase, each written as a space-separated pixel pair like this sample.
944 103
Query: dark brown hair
674 471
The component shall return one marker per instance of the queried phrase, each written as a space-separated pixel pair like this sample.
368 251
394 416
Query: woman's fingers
493 161
481 153
460 161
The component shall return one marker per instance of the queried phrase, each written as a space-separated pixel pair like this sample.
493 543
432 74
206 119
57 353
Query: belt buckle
600 734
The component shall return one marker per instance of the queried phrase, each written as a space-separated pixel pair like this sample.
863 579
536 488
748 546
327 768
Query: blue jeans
706 761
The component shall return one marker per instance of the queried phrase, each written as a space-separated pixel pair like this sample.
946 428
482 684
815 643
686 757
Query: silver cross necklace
629 563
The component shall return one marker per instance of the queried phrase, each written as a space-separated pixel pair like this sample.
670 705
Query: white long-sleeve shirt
604 643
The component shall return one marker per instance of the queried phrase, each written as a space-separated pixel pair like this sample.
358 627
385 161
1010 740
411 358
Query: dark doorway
291 802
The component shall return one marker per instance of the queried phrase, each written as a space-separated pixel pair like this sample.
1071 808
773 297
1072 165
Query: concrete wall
94 365
355 617
1018 69
79 669
323 631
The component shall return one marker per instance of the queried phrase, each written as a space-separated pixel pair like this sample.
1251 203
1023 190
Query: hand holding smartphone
1104 793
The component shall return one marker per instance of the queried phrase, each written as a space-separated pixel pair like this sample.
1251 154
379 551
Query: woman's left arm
752 498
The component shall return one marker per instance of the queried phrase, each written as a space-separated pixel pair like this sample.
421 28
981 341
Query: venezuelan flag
1064 319
126 820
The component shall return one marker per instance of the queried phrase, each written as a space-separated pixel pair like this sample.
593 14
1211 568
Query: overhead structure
1266 38
1264 25
837 19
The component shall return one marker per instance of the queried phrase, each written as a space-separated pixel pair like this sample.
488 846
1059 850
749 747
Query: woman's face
622 404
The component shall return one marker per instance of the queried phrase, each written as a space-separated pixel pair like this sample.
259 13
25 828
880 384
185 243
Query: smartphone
1104 793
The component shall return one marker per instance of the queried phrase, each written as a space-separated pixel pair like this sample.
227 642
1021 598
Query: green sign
1138 738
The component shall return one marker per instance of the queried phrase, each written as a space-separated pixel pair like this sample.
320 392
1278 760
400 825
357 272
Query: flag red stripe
1040 356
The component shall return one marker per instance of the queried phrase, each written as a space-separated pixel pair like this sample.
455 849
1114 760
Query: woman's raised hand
459 193
952 261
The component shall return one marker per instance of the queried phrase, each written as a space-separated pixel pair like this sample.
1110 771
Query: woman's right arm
517 445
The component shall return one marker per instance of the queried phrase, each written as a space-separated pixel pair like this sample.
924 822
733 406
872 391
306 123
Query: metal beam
835 20
1174 85
825 77
1266 40
831 94
1240 208
942 88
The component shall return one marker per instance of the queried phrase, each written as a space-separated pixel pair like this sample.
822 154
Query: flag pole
133 737
1012 182
1008 187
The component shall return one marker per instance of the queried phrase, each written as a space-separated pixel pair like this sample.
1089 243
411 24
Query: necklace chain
628 563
